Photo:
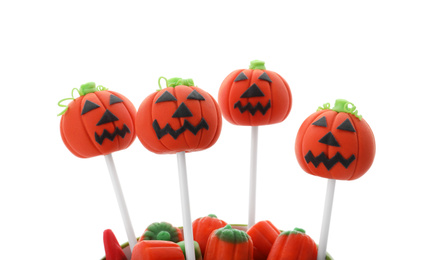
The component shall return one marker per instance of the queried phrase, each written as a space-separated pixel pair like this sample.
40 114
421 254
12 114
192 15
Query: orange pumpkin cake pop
180 117
335 143
254 96
98 122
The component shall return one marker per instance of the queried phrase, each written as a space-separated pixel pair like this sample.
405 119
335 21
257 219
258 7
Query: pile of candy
333 143
217 240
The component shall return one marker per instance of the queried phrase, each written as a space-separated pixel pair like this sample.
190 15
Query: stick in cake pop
337 144
100 122
178 119
254 97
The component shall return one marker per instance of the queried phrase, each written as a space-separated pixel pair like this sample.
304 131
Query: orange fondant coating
162 112
276 92
360 144
78 131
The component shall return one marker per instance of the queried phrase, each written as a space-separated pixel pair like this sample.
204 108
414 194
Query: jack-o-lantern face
178 118
335 144
254 96
98 122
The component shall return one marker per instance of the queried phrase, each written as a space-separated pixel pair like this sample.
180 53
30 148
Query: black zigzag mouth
175 133
328 162
111 136
252 109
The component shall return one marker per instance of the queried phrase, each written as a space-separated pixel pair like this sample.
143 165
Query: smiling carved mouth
111 136
328 162
252 109
175 133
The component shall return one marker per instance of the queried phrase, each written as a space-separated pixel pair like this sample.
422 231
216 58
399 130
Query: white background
384 56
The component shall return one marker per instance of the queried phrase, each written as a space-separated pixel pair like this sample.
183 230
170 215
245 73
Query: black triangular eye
88 106
195 95
347 126
321 122
240 77
166 96
265 77
114 99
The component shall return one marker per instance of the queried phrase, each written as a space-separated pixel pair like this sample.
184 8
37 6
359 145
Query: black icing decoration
329 139
240 77
252 109
175 133
321 122
111 136
347 126
114 99
265 77
88 106
107 117
328 163
195 95
252 91
166 96
182 111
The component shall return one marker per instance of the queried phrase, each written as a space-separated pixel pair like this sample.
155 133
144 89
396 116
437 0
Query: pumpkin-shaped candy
157 250
162 231
293 245
335 143
229 244
203 227
179 118
98 122
254 96
263 235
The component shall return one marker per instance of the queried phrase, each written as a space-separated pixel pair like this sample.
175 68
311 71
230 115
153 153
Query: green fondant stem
342 105
87 88
84 89
173 82
257 65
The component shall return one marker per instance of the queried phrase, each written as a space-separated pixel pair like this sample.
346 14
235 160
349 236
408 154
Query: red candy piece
112 247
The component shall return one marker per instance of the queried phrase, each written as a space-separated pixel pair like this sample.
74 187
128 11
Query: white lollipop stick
185 207
326 219
121 203
253 170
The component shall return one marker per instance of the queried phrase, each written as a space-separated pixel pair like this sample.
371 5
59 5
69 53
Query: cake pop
100 122
178 119
338 144
254 97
